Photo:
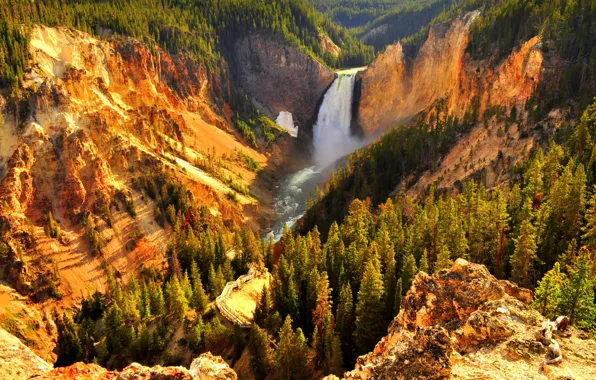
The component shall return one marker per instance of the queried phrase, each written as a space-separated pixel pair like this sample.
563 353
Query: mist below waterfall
332 137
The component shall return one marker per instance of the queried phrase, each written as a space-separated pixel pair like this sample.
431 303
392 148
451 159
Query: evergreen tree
408 272
398 296
589 229
424 267
176 299
291 356
548 294
261 355
369 324
578 293
68 345
199 299
263 307
524 254
345 322
196 334
443 259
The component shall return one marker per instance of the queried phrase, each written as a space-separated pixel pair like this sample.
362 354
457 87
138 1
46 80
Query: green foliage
249 162
261 354
547 296
524 254
577 293
179 27
68 346
93 235
291 355
369 309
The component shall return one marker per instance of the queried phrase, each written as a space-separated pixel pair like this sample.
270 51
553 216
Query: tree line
196 27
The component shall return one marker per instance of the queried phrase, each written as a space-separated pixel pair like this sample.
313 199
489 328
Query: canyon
100 113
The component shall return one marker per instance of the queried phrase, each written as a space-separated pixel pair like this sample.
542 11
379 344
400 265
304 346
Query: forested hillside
196 27
338 279
380 23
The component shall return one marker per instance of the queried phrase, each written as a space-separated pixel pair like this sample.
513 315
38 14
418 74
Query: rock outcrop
279 77
394 88
17 361
204 367
464 323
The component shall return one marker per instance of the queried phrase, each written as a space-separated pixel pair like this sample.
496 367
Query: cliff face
464 323
279 77
94 116
394 89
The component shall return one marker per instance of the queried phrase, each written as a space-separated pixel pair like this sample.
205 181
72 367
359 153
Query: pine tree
589 229
261 355
408 271
548 294
322 318
199 299
291 356
424 267
524 254
176 299
196 334
263 307
443 259
398 296
68 345
578 293
370 324
345 321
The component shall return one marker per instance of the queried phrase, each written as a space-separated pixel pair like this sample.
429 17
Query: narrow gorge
332 140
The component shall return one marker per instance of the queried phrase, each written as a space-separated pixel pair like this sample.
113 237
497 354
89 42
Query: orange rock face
395 90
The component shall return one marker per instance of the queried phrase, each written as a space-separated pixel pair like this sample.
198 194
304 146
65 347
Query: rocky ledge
17 361
463 323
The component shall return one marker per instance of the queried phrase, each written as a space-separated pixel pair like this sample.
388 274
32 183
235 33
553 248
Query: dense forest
381 23
178 26
332 297
339 278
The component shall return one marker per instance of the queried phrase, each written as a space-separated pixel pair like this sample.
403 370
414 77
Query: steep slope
394 90
463 323
100 114
280 78
18 361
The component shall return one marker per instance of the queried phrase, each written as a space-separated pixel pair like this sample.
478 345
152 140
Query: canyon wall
395 88
279 77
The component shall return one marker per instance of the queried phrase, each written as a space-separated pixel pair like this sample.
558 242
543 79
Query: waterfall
332 140
332 137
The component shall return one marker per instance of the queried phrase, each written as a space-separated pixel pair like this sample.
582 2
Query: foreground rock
17 361
463 323
204 367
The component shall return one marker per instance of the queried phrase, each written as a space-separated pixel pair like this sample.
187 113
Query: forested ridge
195 27
339 279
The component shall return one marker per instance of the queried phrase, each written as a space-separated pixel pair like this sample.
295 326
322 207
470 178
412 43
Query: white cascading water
332 136
332 140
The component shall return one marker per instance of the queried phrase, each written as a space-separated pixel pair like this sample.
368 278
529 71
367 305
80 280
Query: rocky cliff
463 323
395 87
279 77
